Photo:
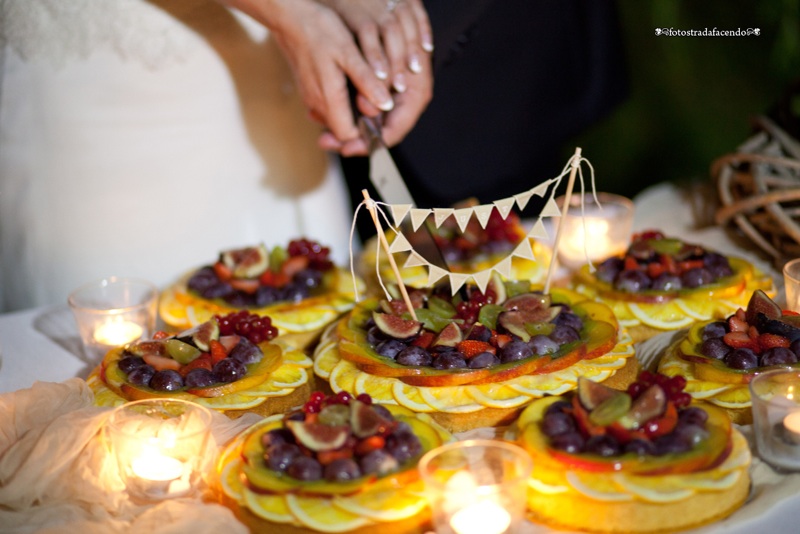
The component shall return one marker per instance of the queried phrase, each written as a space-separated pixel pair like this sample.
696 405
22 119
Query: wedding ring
392 4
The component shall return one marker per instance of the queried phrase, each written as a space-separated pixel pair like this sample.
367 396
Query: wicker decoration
759 190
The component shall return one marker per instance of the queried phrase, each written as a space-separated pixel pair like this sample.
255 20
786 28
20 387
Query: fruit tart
339 464
644 460
233 363
474 360
298 287
470 251
664 284
719 358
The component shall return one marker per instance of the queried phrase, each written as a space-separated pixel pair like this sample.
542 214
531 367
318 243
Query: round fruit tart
232 363
719 358
297 286
339 464
474 360
662 284
644 460
470 251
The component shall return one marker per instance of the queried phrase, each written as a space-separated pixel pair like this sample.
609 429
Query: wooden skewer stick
385 245
576 161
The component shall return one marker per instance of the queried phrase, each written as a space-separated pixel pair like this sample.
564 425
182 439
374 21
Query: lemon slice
660 489
377 387
298 358
235 401
410 397
596 375
318 514
270 507
740 456
541 385
103 396
700 310
303 320
735 397
343 376
699 389
547 489
267 389
231 482
172 311
666 316
713 481
388 504
497 395
596 486
325 360
289 376
449 399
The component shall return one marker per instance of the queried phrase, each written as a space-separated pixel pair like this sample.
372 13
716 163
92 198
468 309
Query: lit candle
791 424
483 517
152 465
117 332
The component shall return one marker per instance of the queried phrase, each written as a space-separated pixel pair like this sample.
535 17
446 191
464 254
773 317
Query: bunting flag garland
482 213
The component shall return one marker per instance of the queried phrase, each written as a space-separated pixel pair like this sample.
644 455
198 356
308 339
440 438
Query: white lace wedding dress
139 138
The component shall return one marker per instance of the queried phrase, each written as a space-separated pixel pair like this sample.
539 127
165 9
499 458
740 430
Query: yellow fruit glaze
291 374
345 376
677 313
181 310
381 501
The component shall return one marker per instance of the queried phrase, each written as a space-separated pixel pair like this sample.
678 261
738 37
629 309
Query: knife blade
389 183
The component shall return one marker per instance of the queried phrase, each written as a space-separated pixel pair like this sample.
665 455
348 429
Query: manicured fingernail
386 105
399 83
427 43
380 72
414 64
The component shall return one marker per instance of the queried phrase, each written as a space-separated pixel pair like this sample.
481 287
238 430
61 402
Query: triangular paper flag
414 260
523 250
541 189
435 274
440 214
504 206
482 279
538 231
550 209
462 217
418 217
483 212
503 267
399 212
457 280
522 199
400 244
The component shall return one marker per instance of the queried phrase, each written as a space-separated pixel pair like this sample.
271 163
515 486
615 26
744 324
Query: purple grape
129 363
556 423
141 375
603 445
277 436
246 352
266 295
667 282
383 412
203 279
281 455
570 442
566 318
715 348
377 462
390 348
403 446
304 468
697 277
375 336
670 444
229 370
239 299
719 271
795 347
778 356
640 447
564 334
309 278
632 281
450 360
480 333
414 356
217 291
741 359
515 350
199 378
609 269
690 433
483 360
715 329
544 345
693 416
717 264
558 406
166 380
293 292
342 469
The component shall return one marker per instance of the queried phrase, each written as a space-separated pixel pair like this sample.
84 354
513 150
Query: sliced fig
523 323
498 287
394 307
514 323
366 421
449 336
611 409
395 326
248 262
335 414
182 352
317 436
651 403
761 303
528 301
201 335
592 394
150 346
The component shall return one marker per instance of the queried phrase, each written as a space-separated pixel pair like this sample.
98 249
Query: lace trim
59 31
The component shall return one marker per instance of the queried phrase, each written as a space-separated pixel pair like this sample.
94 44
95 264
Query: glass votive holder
476 486
596 233
776 417
791 280
112 312
160 446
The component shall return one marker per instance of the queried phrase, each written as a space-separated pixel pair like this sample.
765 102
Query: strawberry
367 445
740 340
789 312
269 278
655 269
688 265
248 285
472 347
294 265
770 341
222 271
630 264
499 340
202 362
741 315
424 340
218 351
669 263
753 332
160 334
737 325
